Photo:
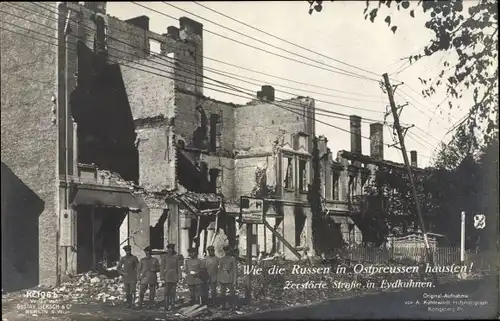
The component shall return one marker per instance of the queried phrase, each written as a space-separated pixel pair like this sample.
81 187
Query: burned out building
345 178
108 139
120 146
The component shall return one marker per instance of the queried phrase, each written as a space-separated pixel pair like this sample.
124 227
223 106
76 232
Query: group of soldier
202 276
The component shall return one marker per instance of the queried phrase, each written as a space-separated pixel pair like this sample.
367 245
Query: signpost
251 212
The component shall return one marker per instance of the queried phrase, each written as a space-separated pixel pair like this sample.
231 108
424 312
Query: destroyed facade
115 143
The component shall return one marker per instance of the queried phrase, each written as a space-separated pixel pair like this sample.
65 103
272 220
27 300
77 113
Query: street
390 304
393 305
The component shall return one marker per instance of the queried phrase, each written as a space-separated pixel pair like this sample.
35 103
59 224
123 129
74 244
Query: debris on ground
269 291
99 287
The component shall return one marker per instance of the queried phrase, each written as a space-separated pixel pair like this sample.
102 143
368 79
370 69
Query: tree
488 194
321 227
462 145
393 186
472 36
468 183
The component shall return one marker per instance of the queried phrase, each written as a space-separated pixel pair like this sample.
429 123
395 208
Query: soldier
181 262
194 270
265 263
170 274
211 263
227 276
146 274
127 268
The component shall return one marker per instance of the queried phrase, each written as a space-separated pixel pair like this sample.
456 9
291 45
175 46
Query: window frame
289 164
333 193
304 187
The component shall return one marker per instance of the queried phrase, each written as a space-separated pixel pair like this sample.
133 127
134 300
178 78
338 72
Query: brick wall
189 119
257 129
150 91
151 97
125 41
259 125
156 158
249 130
29 138
245 173
227 171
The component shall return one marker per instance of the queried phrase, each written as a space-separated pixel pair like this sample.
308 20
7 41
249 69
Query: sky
340 33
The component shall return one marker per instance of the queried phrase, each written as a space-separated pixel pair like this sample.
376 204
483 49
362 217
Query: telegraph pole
407 163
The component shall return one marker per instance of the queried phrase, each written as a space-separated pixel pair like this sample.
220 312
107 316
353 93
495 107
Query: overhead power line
223 62
229 85
287 41
170 65
411 104
289 104
438 106
284 40
290 80
119 58
266 43
164 76
260 49
319 109
236 76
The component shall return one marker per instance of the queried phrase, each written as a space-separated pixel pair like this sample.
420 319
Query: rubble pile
96 287
113 177
91 286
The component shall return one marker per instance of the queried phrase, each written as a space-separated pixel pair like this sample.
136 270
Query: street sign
479 221
252 210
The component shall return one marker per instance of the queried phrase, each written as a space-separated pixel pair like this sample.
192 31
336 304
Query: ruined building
107 139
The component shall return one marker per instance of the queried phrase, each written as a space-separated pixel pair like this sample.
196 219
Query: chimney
322 145
377 140
140 22
190 27
413 158
266 93
97 7
173 32
191 32
355 134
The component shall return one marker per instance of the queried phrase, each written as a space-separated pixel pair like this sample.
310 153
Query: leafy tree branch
471 36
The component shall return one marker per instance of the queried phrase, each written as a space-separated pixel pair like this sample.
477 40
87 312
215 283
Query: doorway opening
98 237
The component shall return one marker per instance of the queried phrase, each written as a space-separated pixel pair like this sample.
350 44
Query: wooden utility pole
407 164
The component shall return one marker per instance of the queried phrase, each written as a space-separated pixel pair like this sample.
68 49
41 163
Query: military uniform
194 270
127 268
211 266
146 273
227 276
170 273
267 279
